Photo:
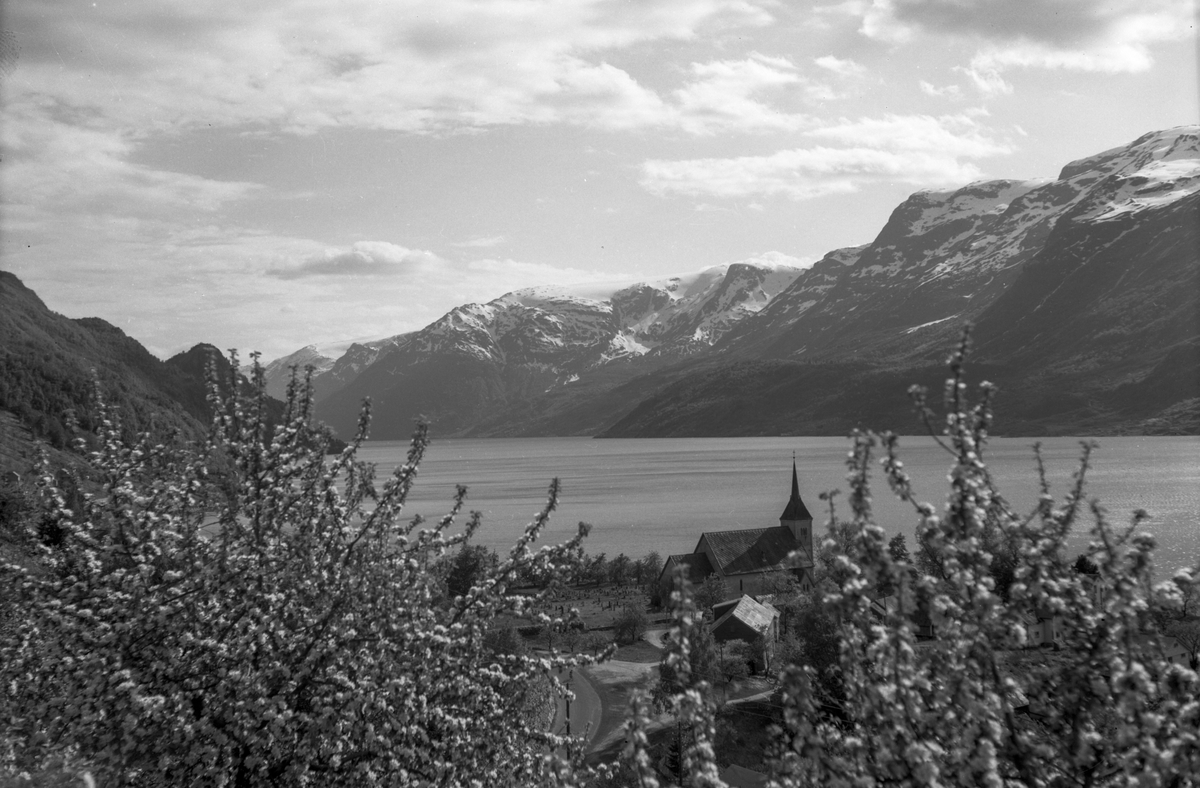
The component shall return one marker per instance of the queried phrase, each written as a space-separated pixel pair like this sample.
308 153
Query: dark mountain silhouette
49 366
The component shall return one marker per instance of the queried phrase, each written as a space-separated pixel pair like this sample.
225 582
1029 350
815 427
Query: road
585 710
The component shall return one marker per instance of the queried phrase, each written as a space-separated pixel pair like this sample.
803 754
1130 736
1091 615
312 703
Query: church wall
752 583
802 530
755 583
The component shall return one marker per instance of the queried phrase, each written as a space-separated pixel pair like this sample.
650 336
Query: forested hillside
45 370
46 373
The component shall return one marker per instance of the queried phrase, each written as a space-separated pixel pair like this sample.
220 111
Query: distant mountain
1085 293
279 372
192 368
484 363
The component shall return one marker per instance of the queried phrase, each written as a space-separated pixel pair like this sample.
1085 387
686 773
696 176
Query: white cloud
947 135
987 80
415 65
801 173
364 258
841 67
946 91
722 95
918 149
481 243
853 8
93 84
63 167
1082 35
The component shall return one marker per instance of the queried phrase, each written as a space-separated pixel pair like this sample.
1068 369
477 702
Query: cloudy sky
274 173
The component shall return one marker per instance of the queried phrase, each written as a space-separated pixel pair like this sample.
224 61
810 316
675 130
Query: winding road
586 710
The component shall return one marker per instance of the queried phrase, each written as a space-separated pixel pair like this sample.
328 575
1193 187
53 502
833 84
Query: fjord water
662 493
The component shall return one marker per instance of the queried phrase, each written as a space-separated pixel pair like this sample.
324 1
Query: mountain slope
279 372
1086 291
478 367
45 371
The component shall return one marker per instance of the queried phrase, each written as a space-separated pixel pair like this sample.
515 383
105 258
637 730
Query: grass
598 606
641 652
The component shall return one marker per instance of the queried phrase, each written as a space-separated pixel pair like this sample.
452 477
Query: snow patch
1152 185
973 200
622 345
930 323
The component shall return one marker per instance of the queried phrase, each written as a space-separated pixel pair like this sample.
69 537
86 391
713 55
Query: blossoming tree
279 628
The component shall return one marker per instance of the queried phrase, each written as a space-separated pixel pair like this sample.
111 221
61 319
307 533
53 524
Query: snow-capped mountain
279 372
673 314
1084 289
350 364
944 257
529 341
1085 292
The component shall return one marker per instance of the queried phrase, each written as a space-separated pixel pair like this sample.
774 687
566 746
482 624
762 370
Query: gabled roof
755 550
753 615
698 567
796 510
721 608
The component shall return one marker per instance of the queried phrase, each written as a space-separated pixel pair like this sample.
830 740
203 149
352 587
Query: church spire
796 510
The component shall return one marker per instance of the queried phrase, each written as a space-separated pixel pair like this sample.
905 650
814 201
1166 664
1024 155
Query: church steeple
796 510
796 517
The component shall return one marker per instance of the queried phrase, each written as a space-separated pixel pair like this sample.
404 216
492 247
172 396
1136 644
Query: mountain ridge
1081 288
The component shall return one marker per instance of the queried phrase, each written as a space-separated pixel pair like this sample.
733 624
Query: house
1172 650
745 559
750 620
1042 630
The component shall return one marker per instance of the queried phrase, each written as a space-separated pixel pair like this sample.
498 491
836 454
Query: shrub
735 659
594 642
275 632
630 625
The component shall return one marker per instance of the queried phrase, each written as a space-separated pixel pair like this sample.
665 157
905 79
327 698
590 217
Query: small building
747 619
1169 646
745 559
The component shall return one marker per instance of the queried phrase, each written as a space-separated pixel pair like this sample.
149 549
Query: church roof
796 510
755 550
697 564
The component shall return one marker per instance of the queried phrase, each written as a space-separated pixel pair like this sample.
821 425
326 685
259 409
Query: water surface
662 493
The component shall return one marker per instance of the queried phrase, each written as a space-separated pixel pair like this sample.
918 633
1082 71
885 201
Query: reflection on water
660 494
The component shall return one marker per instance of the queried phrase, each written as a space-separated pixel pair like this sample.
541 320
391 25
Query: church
746 558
